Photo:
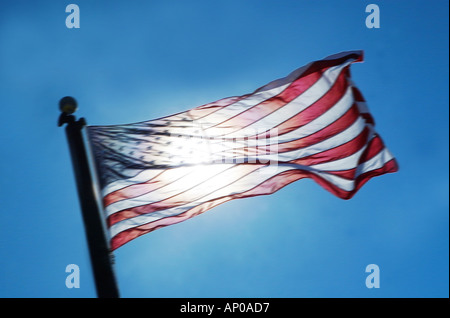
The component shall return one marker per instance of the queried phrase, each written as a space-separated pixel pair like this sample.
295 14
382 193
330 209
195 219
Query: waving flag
314 123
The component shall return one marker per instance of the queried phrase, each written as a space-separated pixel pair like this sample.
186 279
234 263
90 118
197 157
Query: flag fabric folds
314 123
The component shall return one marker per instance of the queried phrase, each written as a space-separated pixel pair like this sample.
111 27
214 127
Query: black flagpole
105 281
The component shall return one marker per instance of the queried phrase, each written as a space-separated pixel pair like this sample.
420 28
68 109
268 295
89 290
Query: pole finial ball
68 105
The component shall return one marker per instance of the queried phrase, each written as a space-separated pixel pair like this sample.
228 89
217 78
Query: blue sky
139 60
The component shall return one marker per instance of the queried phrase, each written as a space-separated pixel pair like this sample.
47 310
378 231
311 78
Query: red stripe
134 190
374 147
335 128
322 64
390 166
138 189
360 98
342 151
357 94
207 109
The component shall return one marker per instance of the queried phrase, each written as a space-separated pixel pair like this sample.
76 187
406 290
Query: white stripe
348 185
376 162
199 175
348 134
343 184
119 184
166 176
346 163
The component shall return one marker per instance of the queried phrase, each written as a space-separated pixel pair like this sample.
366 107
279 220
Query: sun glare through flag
314 123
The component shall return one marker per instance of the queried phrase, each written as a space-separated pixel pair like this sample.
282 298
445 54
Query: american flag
314 123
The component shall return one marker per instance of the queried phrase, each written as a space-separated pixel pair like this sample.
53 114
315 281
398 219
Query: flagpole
99 251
